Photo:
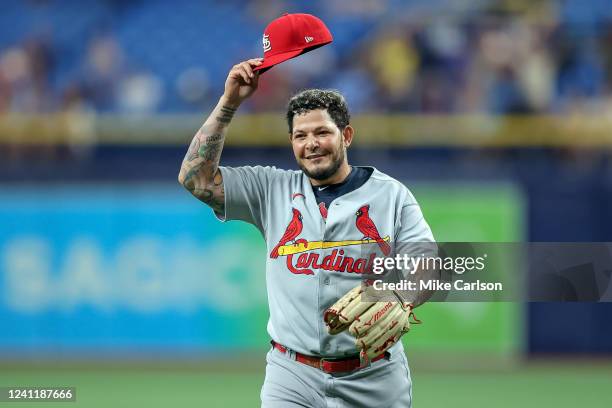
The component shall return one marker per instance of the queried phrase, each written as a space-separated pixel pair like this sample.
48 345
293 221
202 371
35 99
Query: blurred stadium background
497 114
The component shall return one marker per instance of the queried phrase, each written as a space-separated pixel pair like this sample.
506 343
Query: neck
338 177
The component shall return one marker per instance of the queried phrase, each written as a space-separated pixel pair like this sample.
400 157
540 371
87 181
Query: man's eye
299 136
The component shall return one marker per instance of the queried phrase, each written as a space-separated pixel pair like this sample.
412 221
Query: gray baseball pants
291 384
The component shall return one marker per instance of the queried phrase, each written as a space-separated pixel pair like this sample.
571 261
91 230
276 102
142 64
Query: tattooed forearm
211 152
226 115
200 170
194 147
201 142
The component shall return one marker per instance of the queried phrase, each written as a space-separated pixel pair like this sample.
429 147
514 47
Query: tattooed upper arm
210 192
213 193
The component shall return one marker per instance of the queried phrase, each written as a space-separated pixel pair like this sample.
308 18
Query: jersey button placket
324 280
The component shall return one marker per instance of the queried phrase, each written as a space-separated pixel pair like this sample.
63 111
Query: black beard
324 174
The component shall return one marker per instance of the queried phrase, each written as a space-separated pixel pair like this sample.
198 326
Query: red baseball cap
291 35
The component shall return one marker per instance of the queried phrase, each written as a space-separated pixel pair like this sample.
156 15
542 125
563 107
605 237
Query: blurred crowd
491 56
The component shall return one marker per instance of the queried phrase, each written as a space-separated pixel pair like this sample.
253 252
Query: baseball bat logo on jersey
289 245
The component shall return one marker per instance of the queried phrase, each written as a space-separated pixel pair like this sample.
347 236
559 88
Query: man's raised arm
200 169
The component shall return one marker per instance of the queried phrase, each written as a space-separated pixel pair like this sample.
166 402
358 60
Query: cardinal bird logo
366 226
293 230
323 210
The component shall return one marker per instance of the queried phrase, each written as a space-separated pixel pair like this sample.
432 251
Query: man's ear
347 135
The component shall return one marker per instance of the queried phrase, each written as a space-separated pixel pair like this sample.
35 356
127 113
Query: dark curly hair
312 99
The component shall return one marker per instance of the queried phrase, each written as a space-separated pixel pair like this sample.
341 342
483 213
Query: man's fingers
255 80
240 72
245 71
247 67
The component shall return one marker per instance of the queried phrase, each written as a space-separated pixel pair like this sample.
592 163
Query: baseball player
323 226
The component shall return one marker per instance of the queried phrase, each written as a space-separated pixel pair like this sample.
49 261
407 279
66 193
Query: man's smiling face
317 144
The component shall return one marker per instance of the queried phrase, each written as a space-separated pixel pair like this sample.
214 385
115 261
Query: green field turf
535 385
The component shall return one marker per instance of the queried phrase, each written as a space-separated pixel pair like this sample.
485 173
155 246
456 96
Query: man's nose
312 142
